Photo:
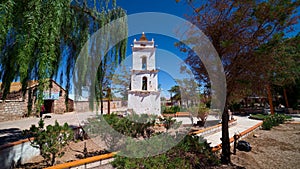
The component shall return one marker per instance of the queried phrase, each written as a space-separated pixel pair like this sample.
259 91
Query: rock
255 135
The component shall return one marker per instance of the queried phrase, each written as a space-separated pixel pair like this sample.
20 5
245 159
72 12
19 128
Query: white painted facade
143 95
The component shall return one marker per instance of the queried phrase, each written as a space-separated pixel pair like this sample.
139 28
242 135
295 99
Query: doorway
49 106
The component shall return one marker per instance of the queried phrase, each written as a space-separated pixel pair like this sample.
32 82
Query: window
144 63
144 83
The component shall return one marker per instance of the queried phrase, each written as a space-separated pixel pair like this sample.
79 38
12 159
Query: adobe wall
83 106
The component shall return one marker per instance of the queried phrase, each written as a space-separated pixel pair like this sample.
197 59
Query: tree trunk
108 100
101 106
285 98
53 159
270 99
225 156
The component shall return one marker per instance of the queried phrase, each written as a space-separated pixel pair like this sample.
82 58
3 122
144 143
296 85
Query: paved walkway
71 118
10 131
243 123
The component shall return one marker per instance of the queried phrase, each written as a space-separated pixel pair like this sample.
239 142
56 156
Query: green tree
42 39
121 82
282 66
175 94
236 29
50 140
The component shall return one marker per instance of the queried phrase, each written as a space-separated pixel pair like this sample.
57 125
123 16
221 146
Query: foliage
171 110
282 64
42 39
248 25
177 93
133 126
273 120
200 111
121 81
257 116
191 152
235 106
50 140
236 30
167 122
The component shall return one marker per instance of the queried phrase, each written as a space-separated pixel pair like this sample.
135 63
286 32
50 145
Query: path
10 131
243 123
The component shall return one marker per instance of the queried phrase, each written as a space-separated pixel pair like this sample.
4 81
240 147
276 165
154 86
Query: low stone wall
16 153
12 109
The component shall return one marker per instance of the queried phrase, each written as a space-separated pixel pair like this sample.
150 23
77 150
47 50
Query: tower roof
143 37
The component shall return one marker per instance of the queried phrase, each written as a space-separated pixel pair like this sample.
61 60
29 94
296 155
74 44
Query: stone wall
11 109
59 106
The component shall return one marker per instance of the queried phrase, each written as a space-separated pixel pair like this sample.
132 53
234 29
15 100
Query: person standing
42 111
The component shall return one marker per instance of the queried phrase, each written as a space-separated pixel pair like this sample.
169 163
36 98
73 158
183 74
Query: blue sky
168 57
164 43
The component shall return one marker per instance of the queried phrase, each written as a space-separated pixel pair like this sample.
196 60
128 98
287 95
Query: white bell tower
143 94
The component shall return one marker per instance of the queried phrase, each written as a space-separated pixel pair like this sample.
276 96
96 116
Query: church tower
143 94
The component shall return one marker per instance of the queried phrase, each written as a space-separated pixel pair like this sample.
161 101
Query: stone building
143 95
16 105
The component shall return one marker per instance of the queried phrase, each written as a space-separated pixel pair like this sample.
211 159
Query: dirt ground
275 149
74 148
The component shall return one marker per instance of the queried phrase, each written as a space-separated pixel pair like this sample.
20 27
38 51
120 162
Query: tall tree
236 29
39 38
175 93
282 64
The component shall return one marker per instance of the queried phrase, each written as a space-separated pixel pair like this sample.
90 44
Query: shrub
49 141
200 111
171 110
111 127
191 152
267 124
167 122
273 120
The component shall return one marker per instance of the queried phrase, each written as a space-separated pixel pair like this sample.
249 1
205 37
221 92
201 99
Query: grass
262 116
258 116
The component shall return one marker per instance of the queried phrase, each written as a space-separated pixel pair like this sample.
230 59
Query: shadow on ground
10 135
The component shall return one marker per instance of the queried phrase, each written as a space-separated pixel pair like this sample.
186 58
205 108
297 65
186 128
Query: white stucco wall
138 55
20 153
137 79
139 100
145 103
